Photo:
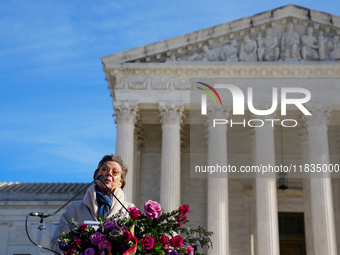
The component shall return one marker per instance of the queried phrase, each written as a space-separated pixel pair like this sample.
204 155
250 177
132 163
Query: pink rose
163 239
96 238
105 245
147 242
166 246
89 251
134 213
176 241
152 209
184 209
189 250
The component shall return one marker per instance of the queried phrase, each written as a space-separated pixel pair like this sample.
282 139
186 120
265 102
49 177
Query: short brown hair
117 159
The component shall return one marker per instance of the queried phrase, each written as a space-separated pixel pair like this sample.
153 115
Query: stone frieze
141 83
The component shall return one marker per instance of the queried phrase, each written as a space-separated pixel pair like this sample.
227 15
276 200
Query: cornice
227 70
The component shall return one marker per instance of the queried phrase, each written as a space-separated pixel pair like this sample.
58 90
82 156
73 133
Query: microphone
39 214
100 177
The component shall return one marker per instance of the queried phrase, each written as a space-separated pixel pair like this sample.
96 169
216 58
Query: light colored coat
87 210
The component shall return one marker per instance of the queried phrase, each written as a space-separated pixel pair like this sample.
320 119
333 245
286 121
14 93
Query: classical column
320 184
266 198
253 218
138 145
126 114
171 118
303 134
218 218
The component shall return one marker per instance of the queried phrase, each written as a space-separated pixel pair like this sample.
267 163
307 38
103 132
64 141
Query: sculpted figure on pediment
229 51
289 44
248 50
333 46
268 49
207 55
321 43
310 46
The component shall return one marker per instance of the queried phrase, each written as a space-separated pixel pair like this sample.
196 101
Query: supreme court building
160 138
161 134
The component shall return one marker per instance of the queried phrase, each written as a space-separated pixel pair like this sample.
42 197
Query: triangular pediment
275 35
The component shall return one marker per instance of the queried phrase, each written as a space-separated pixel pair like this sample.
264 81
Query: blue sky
56 111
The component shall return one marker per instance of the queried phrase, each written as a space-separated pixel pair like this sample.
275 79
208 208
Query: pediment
277 35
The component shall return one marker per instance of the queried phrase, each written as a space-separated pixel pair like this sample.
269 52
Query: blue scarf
104 204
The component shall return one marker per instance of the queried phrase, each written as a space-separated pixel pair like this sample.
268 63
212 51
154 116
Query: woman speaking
97 202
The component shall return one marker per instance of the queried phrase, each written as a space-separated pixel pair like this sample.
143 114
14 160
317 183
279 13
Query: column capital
125 113
321 115
302 130
171 113
216 112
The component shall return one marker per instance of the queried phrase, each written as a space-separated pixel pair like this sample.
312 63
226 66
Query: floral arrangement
153 233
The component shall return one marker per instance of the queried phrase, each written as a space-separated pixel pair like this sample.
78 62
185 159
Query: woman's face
112 173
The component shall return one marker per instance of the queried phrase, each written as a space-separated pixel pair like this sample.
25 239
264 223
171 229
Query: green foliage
167 225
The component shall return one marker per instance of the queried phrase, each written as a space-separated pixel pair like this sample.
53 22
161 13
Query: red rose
82 227
127 236
163 239
176 242
184 209
134 213
148 242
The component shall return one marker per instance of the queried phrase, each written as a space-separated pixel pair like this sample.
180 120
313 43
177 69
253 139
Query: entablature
238 69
